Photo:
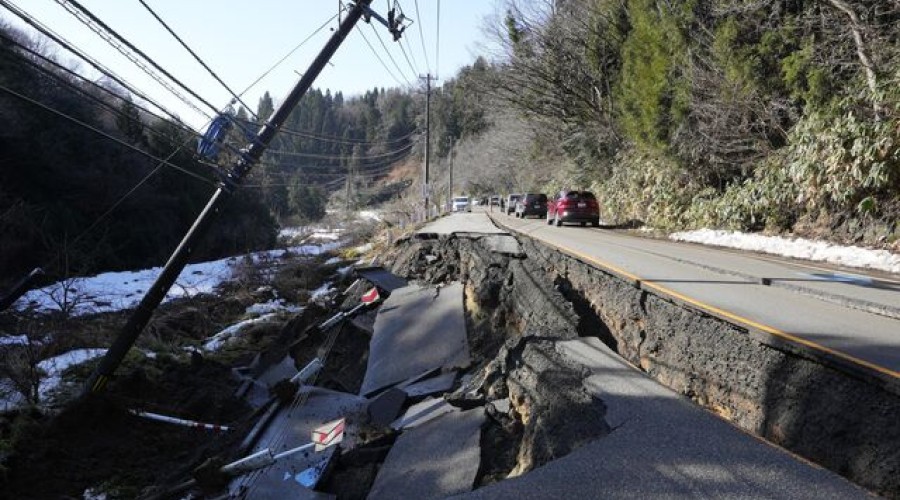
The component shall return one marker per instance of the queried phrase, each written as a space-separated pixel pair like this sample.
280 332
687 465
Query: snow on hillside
798 248
114 291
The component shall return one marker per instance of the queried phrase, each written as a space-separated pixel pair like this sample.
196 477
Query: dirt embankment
519 306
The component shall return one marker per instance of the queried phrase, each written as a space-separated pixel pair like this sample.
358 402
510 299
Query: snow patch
222 338
370 215
322 292
14 340
799 248
55 366
271 306
115 291
332 261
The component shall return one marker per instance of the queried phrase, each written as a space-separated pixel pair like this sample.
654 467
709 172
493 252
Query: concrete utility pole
425 192
250 155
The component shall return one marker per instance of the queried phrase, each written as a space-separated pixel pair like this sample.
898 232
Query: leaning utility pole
425 192
250 155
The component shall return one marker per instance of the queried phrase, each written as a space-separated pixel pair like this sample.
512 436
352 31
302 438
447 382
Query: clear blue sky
241 39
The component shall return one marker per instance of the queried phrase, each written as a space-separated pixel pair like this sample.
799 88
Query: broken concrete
381 277
416 329
435 385
434 460
291 427
424 411
386 406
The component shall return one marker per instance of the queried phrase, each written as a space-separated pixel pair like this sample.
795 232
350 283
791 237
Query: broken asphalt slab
422 412
662 446
292 427
417 329
434 460
439 384
381 277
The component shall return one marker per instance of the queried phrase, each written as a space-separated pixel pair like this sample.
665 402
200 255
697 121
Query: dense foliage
749 114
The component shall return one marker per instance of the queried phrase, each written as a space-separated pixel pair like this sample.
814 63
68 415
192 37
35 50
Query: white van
461 204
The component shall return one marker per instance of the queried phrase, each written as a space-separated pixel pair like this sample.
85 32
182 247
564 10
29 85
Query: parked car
495 201
461 204
511 201
532 204
574 206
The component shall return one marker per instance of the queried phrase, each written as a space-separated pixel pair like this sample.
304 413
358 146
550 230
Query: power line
422 37
413 68
375 53
196 57
348 142
388 52
83 92
411 54
120 43
297 47
104 134
283 152
34 23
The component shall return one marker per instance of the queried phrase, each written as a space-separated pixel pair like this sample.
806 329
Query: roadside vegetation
753 115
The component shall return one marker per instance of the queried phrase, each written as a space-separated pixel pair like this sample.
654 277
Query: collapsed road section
490 371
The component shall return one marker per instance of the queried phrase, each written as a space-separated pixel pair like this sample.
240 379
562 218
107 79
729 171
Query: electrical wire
104 134
237 98
62 42
282 152
291 52
127 49
388 52
378 57
422 38
87 94
349 142
411 54
413 68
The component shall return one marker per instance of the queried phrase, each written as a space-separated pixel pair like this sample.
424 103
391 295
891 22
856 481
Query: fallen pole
180 421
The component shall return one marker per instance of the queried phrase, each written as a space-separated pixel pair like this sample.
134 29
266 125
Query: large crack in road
529 307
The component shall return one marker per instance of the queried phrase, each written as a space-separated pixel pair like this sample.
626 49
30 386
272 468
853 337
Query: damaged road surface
489 373
418 329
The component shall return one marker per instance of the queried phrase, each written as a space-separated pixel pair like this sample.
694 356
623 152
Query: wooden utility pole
425 191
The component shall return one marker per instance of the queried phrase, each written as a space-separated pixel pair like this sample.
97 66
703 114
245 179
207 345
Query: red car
574 206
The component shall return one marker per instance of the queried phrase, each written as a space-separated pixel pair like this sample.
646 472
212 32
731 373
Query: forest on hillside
93 178
781 115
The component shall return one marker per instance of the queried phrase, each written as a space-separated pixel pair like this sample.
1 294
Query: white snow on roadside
332 261
322 292
14 340
55 366
344 271
272 306
330 235
293 232
220 339
799 248
370 215
114 291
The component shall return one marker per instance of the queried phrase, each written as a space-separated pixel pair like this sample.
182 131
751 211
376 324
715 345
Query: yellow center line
713 309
